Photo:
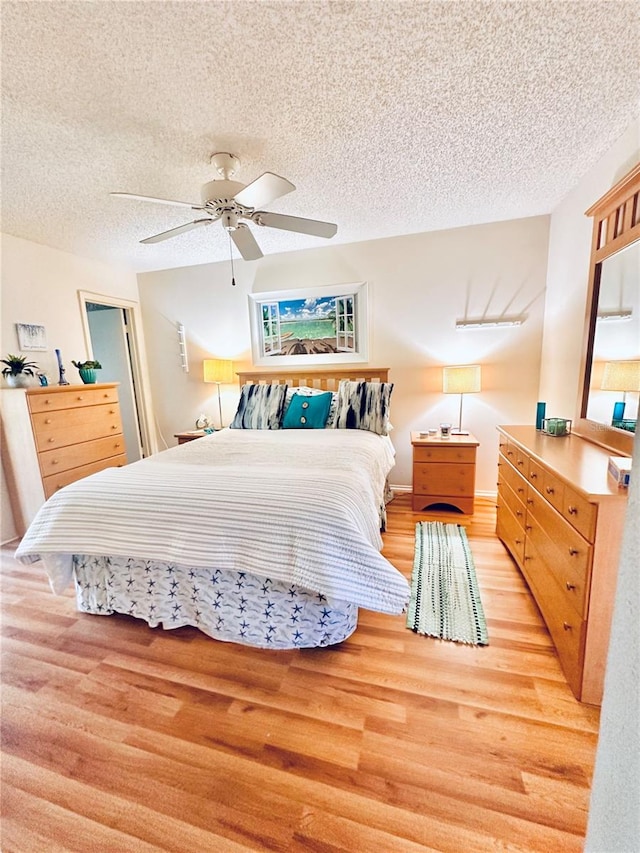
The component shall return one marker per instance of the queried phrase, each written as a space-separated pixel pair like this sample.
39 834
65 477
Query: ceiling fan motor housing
220 192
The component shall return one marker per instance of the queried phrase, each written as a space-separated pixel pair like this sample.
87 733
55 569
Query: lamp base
459 432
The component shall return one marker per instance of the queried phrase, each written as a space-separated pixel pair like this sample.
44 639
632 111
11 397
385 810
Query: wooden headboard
326 380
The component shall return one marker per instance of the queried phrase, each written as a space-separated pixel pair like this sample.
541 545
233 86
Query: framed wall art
320 325
31 336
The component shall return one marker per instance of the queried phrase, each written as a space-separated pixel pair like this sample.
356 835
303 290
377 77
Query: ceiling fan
230 202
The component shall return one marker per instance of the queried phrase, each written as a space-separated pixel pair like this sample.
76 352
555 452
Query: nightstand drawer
443 479
450 453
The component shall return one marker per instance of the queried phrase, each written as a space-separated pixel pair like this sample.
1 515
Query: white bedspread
293 505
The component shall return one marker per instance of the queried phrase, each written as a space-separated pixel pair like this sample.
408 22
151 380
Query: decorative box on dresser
561 516
444 471
56 435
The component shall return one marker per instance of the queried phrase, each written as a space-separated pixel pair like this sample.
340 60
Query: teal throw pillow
307 412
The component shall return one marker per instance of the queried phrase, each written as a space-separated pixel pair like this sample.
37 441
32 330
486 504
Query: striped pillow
364 405
260 407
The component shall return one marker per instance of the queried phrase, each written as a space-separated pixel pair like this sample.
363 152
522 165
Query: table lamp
464 379
220 371
620 376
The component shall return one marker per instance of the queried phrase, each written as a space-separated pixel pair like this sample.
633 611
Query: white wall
419 285
40 285
567 279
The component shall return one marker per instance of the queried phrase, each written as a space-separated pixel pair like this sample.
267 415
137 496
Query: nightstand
444 471
190 435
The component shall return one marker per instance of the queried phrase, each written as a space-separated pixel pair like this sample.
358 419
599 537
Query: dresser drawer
61 428
552 489
521 462
72 456
509 529
512 500
57 481
570 566
517 483
76 396
536 475
451 453
567 629
443 479
580 513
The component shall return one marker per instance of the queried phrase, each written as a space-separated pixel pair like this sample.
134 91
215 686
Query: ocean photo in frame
320 325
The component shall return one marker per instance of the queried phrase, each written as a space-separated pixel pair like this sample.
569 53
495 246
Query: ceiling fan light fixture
229 221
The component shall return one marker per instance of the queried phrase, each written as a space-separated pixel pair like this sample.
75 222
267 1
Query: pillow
313 392
307 411
364 405
260 407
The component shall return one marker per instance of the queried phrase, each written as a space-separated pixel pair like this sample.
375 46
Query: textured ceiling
389 117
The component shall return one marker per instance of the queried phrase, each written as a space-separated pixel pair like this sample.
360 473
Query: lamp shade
217 370
621 376
461 380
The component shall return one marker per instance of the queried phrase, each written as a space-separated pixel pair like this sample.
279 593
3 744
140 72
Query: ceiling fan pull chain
233 278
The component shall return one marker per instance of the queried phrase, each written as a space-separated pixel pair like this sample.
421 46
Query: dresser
444 471
561 516
54 436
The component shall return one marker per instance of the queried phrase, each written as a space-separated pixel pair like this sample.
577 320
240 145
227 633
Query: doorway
109 329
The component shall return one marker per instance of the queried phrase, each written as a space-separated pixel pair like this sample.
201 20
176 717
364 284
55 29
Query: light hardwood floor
117 737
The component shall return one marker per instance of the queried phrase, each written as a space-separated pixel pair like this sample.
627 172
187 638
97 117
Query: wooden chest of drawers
77 431
444 471
561 517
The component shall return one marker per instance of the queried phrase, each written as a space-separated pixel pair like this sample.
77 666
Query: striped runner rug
445 600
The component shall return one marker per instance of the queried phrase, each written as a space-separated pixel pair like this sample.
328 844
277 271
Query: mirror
615 369
612 327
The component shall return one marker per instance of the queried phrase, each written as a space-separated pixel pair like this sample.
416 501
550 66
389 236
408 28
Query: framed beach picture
310 325
31 336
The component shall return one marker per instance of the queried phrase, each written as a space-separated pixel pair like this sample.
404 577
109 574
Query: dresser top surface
53 389
575 460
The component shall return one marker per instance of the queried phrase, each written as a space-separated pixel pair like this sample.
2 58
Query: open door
109 329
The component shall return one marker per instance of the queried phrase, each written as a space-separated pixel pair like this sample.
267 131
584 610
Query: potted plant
17 370
87 370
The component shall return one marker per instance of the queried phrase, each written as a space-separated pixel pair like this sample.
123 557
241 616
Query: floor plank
120 737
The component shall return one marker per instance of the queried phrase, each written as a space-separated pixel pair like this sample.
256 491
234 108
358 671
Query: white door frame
138 358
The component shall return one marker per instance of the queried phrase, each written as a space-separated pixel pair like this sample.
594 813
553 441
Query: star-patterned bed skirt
237 607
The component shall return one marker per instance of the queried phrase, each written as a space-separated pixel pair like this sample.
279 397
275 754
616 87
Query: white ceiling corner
389 116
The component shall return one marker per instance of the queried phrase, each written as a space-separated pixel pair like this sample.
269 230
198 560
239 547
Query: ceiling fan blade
173 232
295 223
246 243
159 200
265 189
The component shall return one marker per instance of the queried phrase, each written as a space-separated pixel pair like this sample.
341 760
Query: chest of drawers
561 517
444 471
77 431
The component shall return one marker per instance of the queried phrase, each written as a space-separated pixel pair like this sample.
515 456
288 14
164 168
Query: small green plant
17 364
87 365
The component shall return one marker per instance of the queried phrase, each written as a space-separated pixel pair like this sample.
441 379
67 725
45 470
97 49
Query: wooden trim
324 379
620 208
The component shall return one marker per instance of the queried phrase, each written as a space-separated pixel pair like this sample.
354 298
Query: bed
254 534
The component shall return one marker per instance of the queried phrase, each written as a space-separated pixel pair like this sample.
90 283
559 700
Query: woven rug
445 600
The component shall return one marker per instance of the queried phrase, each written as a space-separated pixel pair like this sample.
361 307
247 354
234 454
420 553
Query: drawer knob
509 452
573 551
549 490
54 461
570 585
51 440
529 500
533 476
79 397
527 557
113 426
519 513
528 527
572 510
518 541
111 412
46 402
566 626
117 444
520 489
47 420
520 461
